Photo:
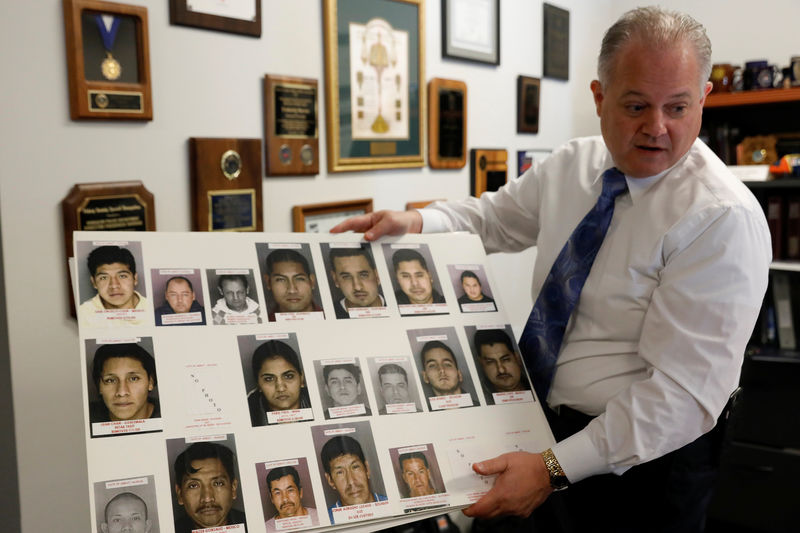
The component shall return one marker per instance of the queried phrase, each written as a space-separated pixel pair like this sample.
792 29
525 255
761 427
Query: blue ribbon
109 36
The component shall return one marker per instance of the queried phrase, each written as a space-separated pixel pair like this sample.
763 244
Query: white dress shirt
655 344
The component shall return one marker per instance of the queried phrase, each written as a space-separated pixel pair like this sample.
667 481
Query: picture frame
108 60
556 42
471 31
528 90
447 123
232 16
319 218
525 158
488 170
385 41
291 126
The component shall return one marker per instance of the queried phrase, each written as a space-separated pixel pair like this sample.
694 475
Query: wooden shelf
765 96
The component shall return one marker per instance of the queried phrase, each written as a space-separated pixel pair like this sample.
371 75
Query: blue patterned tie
541 339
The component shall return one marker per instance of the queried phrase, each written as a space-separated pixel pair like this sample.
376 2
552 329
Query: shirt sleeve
693 339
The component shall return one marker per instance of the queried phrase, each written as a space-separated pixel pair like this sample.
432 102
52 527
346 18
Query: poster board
204 375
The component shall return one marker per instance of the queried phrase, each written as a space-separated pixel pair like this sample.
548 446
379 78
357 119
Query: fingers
358 224
491 466
376 225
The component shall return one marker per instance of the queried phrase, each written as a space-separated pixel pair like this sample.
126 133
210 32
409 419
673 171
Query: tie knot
614 183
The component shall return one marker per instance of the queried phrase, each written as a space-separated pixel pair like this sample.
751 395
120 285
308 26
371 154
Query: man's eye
109 381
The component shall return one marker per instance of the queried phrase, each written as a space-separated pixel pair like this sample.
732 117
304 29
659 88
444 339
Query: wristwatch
558 480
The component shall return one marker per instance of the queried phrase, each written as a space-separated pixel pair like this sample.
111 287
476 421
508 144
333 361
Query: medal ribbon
109 36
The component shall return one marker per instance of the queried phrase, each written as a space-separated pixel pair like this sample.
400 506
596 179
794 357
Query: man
393 381
500 363
347 473
473 292
124 375
235 306
205 486
414 279
343 385
112 271
416 474
290 281
126 513
354 273
655 343
440 369
286 494
180 299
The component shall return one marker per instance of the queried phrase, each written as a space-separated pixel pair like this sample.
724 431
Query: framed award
525 158
226 184
320 218
488 170
556 42
374 84
108 60
447 123
291 129
527 104
234 16
471 30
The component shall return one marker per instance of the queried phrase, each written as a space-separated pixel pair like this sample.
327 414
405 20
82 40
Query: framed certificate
234 16
108 60
320 218
375 90
471 30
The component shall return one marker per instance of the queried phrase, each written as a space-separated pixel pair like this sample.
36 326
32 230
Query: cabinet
759 477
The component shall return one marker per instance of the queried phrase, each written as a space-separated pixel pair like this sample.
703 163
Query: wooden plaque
108 60
226 184
319 218
447 123
488 170
105 206
527 104
291 129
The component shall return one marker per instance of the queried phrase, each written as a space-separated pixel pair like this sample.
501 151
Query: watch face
231 164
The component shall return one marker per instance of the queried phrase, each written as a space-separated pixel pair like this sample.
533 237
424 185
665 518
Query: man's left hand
522 485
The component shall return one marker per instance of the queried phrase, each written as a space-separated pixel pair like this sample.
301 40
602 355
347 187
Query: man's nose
655 123
122 388
206 493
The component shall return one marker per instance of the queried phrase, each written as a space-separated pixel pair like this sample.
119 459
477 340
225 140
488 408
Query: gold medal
110 67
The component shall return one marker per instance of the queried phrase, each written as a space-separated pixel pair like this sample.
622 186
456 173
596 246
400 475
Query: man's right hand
376 225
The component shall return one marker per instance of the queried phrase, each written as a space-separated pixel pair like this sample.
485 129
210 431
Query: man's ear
597 93
148 526
460 377
335 281
104 527
135 279
94 285
234 486
313 279
330 482
178 494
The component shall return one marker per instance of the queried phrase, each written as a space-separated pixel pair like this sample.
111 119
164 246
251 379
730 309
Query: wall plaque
488 170
527 104
226 184
447 123
556 42
290 126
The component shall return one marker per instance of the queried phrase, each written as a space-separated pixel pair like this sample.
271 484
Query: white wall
208 84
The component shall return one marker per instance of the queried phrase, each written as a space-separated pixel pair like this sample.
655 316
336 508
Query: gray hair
658 28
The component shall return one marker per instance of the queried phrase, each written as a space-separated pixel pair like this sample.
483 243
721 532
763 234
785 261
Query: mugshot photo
394 385
472 288
232 291
499 363
289 281
416 285
348 466
111 284
342 388
199 467
275 382
445 376
287 494
353 279
178 296
122 387
126 505
416 471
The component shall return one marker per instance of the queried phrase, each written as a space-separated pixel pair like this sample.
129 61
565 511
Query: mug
795 68
721 77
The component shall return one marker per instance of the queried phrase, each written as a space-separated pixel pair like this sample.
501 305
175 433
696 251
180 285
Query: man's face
207 495
472 288
501 367
394 388
441 372
349 477
417 477
124 385
235 294
357 280
115 283
179 296
280 383
342 387
415 282
126 514
291 287
651 110
286 497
